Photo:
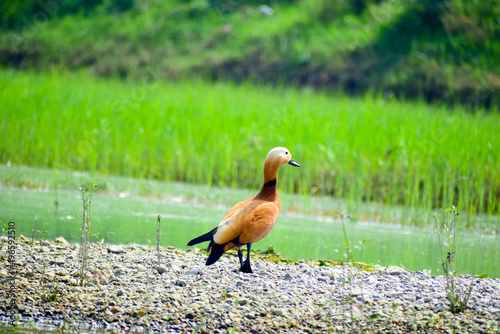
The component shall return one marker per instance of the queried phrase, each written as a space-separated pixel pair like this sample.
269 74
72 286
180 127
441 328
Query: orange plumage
251 220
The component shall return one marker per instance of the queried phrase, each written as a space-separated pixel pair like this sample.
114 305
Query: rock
439 308
395 294
358 311
376 314
59 262
141 312
493 310
395 272
194 271
243 301
115 310
161 270
116 249
279 312
356 292
61 241
288 277
180 282
329 274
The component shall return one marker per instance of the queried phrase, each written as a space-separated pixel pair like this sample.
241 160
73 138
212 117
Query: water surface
121 218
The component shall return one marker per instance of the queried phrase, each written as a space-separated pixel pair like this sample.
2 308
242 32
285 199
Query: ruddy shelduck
250 220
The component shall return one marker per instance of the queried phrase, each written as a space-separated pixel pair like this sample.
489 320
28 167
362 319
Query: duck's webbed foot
246 268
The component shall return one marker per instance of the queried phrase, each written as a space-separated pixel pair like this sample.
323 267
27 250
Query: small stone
439 308
61 241
250 316
279 312
180 282
141 312
120 293
288 277
329 274
116 249
376 314
493 310
243 301
395 272
412 326
358 311
161 270
356 292
195 271
59 262
395 294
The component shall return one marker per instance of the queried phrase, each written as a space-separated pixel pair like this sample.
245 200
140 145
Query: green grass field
368 148
436 49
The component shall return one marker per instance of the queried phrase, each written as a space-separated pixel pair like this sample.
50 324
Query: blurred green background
432 49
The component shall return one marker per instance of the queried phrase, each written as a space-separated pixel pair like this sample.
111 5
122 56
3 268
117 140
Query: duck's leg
245 266
240 256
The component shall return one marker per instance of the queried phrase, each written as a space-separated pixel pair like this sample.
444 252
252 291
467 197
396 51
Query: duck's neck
269 191
270 171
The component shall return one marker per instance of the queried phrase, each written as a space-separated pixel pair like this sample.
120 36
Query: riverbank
128 291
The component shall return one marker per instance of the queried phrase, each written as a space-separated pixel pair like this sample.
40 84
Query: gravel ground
128 291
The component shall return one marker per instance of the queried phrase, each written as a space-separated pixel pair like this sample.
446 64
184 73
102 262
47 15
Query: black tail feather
215 253
205 237
210 245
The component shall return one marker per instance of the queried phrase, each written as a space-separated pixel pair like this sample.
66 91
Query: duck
250 220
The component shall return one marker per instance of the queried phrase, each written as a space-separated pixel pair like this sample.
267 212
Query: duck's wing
259 222
237 207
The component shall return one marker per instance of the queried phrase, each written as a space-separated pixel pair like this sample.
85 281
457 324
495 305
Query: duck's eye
286 153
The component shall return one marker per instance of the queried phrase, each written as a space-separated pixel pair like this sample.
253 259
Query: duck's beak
293 163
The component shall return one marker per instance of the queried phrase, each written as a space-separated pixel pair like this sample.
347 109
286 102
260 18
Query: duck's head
279 156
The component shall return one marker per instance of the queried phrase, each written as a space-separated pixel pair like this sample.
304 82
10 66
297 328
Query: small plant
158 233
349 259
5 229
448 226
83 254
37 231
48 294
34 230
56 204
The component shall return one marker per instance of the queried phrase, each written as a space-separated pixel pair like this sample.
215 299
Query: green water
121 218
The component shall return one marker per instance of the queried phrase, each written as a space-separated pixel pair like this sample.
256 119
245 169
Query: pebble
195 272
116 249
125 292
161 270
180 282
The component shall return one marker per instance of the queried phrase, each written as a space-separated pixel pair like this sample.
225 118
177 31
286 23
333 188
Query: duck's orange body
250 220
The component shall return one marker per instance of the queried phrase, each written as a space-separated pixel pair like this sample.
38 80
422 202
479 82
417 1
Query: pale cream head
279 155
275 158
